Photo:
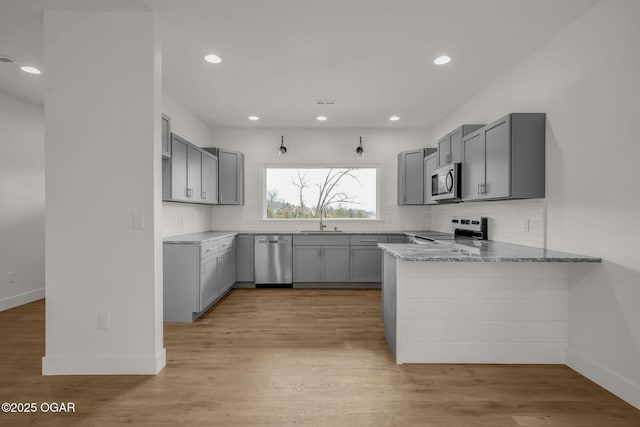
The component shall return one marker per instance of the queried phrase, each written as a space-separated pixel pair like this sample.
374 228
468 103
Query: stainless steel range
464 227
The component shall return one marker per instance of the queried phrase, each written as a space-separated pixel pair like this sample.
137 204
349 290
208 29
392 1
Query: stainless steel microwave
446 183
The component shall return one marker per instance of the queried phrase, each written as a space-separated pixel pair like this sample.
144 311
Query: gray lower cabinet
307 264
389 301
450 145
320 258
398 238
430 165
313 264
366 264
505 159
196 276
245 258
366 257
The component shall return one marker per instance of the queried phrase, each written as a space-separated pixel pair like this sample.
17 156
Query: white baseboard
605 377
103 365
20 299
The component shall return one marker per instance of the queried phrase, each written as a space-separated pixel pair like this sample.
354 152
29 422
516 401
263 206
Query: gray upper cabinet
430 165
230 176
178 176
505 159
450 146
166 136
411 176
209 178
244 258
190 174
194 174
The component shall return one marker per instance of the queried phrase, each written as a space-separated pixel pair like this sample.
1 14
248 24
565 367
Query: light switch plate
137 222
11 277
104 321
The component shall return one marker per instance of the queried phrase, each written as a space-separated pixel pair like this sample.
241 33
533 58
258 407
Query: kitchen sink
320 232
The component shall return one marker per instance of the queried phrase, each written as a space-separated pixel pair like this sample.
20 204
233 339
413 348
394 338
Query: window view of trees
305 192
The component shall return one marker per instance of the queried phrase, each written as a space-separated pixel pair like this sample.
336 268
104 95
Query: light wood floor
304 357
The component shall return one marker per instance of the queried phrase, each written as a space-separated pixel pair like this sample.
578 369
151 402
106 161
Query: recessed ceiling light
322 118
394 118
441 60
30 70
254 118
214 59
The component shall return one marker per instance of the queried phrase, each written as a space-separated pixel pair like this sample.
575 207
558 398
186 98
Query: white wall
180 218
320 146
21 201
586 80
103 169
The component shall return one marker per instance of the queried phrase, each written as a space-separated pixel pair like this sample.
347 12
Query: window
302 192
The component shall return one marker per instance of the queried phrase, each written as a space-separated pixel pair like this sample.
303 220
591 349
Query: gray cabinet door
389 301
411 177
166 136
397 238
455 142
307 261
366 264
444 151
179 150
497 175
209 178
244 259
208 278
231 177
430 164
194 174
472 165
335 264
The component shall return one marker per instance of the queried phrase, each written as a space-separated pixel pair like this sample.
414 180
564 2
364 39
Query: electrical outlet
104 321
137 222
11 277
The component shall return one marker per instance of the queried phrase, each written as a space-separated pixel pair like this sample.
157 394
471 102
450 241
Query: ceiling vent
325 101
6 59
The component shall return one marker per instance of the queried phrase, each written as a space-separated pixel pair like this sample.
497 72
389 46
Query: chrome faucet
323 211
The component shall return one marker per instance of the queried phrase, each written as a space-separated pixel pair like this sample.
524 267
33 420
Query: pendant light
283 149
360 149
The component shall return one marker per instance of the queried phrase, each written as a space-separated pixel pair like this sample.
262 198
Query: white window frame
266 166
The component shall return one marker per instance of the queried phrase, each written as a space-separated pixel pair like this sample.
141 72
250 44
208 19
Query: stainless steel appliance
273 260
471 227
446 183
464 227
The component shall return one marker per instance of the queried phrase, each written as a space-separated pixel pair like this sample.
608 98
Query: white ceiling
373 56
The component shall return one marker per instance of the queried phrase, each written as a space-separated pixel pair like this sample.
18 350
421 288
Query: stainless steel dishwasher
274 261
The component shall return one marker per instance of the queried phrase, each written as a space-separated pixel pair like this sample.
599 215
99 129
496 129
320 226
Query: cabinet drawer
226 243
319 240
368 239
208 248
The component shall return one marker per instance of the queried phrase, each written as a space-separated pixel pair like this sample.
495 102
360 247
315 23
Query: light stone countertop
466 250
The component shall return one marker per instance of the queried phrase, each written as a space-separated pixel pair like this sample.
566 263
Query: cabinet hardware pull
204 194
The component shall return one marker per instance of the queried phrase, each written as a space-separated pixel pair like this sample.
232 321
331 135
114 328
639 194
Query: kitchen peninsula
477 301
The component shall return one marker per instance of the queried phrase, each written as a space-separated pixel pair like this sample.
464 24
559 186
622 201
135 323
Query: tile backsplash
182 218
512 221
